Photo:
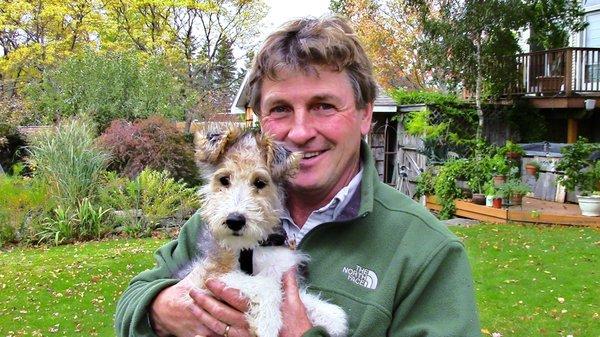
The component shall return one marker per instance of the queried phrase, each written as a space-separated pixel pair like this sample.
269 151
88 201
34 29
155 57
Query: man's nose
302 128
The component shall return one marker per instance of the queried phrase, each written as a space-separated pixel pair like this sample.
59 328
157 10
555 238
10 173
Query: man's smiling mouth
309 155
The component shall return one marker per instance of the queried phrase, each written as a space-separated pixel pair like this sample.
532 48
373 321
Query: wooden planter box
470 210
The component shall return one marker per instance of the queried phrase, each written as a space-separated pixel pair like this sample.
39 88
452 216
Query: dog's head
244 173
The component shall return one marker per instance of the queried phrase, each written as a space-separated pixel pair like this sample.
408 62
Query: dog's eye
260 184
224 181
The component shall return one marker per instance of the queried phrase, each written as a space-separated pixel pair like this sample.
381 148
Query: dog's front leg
264 296
325 314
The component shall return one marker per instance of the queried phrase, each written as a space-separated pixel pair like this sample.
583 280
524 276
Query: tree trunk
478 84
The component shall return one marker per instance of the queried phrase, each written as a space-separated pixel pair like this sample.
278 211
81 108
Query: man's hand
294 315
173 313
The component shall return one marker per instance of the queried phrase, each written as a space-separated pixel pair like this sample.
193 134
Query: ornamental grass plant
69 161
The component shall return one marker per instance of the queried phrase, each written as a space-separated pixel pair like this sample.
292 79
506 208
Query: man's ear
366 115
212 145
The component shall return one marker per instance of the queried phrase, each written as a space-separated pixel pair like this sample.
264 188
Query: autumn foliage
149 143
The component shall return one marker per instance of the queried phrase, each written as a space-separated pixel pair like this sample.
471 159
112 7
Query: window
592 31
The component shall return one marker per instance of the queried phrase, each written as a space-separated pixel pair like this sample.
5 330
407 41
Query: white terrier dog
242 203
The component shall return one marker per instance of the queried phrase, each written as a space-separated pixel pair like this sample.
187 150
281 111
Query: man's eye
279 109
324 106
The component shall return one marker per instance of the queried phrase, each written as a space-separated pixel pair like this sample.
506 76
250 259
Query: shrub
580 170
21 200
153 143
69 161
425 184
86 222
446 189
109 86
148 199
12 145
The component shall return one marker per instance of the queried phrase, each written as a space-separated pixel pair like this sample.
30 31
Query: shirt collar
332 210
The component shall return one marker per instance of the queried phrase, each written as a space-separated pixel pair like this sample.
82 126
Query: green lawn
531 281
536 281
68 290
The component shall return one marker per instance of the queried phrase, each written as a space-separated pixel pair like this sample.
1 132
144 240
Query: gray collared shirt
330 212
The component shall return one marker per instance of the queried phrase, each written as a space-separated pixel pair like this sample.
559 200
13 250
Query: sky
284 10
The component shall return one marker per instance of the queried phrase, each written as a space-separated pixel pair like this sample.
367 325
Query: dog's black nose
235 221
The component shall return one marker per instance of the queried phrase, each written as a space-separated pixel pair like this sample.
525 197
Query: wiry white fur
264 291
261 210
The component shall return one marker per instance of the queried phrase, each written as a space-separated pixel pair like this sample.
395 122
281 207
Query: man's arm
133 309
441 302
157 304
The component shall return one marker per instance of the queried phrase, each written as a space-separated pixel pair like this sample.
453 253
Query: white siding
592 31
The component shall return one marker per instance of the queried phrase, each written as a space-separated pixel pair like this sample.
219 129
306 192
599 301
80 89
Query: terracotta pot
478 198
497 203
513 155
499 180
516 200
530 169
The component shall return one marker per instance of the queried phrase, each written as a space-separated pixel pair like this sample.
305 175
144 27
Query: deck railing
564 71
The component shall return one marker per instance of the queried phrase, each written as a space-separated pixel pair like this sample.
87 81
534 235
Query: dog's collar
276 239
245 258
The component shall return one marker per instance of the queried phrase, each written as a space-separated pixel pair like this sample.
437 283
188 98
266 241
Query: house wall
589 37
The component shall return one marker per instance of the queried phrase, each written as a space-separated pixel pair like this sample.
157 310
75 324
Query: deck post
568 71
572 128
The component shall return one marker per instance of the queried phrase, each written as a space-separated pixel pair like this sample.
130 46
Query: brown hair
303 44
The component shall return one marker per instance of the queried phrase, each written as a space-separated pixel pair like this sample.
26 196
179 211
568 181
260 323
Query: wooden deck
532 211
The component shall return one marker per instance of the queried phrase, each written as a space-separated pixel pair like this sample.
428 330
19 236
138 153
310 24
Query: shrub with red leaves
154 143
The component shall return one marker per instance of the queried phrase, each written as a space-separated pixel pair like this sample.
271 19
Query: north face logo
361 276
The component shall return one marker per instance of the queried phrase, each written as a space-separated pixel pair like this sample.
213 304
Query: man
383 258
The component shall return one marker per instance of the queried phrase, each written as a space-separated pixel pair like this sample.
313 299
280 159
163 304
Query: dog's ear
283 162
212 145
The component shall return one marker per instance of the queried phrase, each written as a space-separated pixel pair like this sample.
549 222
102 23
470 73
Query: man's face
316 115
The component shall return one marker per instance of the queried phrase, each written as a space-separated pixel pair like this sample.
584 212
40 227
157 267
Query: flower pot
513 155
516 200
489 200
531 169
478 198
497 203
499 180
589 205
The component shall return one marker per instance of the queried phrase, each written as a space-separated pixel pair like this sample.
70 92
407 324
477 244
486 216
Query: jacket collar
369 180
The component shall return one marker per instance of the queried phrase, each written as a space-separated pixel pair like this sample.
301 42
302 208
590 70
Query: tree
107 87
35 34
388 32
471 44
187 34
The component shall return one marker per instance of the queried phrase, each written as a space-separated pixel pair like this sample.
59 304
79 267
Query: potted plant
490 193
511 150
512 192
499 168
425 185
478 176
582 173
532 168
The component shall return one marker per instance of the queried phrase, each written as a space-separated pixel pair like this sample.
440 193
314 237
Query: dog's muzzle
235 221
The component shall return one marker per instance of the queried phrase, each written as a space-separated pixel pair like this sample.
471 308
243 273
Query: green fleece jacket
394 268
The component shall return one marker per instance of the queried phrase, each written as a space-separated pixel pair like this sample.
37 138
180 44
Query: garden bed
531 211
